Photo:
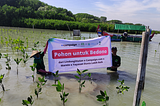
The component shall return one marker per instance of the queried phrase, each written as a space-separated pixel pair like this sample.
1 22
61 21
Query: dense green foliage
35 4
18 9
84 17
25 13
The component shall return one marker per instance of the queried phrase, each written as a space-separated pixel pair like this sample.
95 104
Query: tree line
14 11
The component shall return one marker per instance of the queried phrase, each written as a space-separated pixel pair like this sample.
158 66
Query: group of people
40 67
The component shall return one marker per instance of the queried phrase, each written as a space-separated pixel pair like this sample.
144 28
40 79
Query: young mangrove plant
18 44
122 88
80 77
17 62
1 77
103 97
28 101
25 58
55 76
41 82
2 41
25 55
90 78
35 45
63 95
8 61
33 69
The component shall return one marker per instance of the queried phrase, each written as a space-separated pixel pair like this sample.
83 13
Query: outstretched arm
45 49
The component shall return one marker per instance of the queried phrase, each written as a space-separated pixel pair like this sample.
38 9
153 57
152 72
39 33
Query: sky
146 12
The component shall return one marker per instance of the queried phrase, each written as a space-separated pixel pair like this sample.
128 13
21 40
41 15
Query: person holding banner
116 60
38 59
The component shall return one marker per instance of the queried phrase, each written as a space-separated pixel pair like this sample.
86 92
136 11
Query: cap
114 48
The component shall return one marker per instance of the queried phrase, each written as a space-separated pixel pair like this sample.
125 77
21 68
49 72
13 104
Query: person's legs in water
41 71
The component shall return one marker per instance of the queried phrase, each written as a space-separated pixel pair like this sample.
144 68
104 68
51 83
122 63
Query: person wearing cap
38 59
116 60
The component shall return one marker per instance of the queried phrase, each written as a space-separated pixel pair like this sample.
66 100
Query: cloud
134 11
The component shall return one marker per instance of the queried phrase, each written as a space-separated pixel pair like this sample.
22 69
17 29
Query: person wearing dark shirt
116 60
38 59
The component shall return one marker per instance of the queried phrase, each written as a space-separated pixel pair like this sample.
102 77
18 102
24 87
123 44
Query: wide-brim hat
34 52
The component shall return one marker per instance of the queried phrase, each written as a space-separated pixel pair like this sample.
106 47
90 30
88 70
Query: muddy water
19 87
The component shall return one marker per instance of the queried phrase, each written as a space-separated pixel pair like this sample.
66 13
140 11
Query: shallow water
19 87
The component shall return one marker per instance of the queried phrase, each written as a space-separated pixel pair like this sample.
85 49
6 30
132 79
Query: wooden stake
33 28
141 68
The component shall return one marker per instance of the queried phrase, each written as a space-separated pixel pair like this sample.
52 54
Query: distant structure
76 32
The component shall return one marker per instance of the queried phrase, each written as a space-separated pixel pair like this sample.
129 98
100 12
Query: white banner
68 55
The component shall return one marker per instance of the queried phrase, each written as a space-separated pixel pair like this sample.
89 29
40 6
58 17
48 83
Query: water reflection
114 75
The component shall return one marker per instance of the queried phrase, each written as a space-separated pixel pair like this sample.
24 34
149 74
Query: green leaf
84 71
58 89
25 102
65 101
100 96
107 98
117 87
29 99
54 85
61 96
100 100
39 78
79 72
36 93
77 77
57 72
83 82
38 85
143 103
122 82
66 94
102 93
119 81
53 74
89 74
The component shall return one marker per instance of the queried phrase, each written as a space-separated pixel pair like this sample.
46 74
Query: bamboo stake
141 68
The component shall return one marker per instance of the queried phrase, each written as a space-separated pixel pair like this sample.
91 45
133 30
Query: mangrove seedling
2 41
17 62
143 103
8 61
81 84
55 76
41 82
90 79
1 77
122 88
28 101
33 69
63 95
103 97
35 45
25 57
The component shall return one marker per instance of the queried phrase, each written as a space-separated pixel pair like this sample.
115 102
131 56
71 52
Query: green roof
129 27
